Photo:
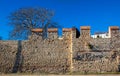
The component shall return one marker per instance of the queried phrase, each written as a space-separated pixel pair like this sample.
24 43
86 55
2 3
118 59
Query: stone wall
8 50
70 53
95 54
95 62
100 44
50 55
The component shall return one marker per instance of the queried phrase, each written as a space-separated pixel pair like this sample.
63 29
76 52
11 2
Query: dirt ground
56 75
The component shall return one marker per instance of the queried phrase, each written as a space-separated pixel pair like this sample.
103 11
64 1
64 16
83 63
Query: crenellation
85 31
53 35
66 33
113 31
37 30
74 52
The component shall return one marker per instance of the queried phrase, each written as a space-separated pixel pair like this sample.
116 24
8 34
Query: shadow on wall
19 59
77 33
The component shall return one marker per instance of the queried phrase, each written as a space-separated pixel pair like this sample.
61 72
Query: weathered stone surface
8 51
61 55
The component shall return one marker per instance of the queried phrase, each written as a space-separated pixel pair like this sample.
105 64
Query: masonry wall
51 55
71 53
94 55
95 62
100 44
8 50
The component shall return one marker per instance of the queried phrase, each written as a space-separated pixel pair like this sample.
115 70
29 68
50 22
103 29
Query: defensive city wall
73 52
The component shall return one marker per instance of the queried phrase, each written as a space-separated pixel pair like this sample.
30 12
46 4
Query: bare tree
24 19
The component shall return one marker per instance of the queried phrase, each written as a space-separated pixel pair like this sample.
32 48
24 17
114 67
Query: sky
99 14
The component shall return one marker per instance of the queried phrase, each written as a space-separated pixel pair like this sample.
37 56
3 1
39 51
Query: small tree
24 19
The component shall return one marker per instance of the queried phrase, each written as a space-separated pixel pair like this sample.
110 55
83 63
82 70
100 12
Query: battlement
74 52
113 31
84 32
41 30
85 27
114 28
53 30
68 29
